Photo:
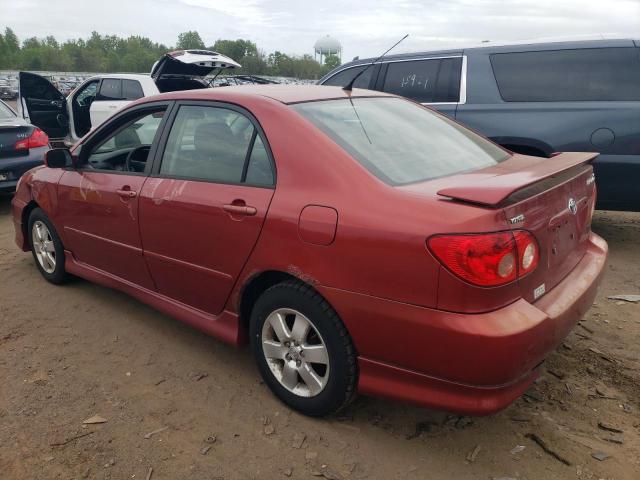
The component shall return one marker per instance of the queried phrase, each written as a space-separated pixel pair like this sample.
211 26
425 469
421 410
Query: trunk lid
191 63
12 131
550 197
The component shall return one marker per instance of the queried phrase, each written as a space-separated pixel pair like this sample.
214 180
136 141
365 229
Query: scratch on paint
87 187
175 189
297 272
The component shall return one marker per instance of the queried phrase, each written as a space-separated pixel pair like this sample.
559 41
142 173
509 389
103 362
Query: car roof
126 76
488 48
282 93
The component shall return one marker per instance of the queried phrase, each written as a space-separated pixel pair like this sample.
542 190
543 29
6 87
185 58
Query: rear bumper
467 363
15 167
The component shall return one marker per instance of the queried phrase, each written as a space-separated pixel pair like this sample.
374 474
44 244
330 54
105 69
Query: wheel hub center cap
294 353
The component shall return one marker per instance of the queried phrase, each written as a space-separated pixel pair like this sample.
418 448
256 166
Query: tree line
110 53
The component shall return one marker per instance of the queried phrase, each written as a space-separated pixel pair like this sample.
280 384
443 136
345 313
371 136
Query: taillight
37 139
487 259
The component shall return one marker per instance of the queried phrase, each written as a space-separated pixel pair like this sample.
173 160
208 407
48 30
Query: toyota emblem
573 206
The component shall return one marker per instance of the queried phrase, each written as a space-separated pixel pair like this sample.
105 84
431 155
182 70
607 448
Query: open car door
42 105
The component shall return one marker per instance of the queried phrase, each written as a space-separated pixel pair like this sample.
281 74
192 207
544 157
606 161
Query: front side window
342 78
110 89
401 142
218 145
127 148
590 74
88 92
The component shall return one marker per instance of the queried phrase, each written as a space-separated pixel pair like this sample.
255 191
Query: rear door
108 101
202 211
41 104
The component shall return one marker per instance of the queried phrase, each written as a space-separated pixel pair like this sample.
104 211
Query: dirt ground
181 405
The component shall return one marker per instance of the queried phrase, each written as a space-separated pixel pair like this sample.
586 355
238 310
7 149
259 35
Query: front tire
46 247
303 350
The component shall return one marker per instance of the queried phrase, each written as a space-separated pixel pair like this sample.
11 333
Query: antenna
349 86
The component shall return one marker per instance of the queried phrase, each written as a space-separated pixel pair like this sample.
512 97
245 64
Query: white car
99 97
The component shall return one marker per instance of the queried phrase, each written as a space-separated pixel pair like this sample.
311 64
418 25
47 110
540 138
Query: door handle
126 193
240 209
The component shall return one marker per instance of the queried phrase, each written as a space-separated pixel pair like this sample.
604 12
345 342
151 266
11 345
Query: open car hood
494 185
191 63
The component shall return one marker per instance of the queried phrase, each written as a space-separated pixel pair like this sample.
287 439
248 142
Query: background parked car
22 147
68 119
7 91
534 99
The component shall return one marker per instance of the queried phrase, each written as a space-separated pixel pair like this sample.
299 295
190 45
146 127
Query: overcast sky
364 27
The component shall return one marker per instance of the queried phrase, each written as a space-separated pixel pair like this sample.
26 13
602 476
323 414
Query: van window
425 81
342 78
590 74
448 83
414 79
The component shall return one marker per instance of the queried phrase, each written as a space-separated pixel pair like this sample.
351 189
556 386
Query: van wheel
302 349
46 246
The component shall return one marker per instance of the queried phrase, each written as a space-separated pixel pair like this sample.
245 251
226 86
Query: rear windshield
5 112
401 142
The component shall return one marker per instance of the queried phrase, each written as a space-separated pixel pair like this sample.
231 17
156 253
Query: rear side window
401 142
426 81
110 89
218 145
342 78
131 90
593 74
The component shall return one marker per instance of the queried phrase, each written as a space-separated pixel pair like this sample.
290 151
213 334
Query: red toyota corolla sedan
359 241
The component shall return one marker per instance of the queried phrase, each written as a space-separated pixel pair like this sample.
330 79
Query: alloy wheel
43 246
295 352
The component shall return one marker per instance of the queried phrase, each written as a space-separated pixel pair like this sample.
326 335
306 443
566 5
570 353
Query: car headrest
127 138
212 138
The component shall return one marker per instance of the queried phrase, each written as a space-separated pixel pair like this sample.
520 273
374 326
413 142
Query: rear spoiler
493 186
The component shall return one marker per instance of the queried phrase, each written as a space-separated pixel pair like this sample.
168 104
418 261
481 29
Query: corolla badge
573 206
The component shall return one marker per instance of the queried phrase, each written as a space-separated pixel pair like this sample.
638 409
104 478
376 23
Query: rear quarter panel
380 242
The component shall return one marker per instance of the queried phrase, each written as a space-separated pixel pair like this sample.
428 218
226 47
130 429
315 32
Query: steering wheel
133 165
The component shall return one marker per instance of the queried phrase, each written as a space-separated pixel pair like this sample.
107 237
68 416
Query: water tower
327 45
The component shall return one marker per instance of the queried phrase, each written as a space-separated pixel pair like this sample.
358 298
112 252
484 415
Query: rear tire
46 247
307 359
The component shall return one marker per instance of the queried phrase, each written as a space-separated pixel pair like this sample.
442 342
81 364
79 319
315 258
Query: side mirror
58 158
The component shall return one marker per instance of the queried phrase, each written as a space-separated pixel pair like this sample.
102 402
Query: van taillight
487 259
37 139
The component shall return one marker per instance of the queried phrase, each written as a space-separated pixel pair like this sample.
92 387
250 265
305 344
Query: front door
100 197
202 211
42 104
